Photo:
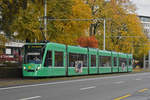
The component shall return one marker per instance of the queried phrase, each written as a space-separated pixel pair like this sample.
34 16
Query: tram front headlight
24 67
38 68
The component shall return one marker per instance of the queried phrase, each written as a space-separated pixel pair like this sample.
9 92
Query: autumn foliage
2 43
88 42
123 31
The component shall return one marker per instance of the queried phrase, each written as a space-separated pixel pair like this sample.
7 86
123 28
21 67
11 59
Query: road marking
123 97
138 79
88 88
119 82
143 90
35 97
70 81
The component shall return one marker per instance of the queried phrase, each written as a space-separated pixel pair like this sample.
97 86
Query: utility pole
45 17
144 65
104 34
104 43
148 59
53 19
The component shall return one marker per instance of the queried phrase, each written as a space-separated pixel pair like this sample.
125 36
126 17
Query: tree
88 42
9 9
2 43
26 23
68 32
123 28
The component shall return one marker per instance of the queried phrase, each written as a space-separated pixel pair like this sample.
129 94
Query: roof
14 44
144 16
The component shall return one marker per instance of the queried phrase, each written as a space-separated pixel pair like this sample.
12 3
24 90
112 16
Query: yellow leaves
72 30
2 42
81 10
120 25
2 39
28 26
11 1
27 23
123 30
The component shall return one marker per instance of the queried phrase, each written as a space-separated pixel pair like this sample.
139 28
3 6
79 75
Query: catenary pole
45 18
104 34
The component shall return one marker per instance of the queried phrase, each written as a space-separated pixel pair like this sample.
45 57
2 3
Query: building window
48 59
93 60
105 61
58 59
73 57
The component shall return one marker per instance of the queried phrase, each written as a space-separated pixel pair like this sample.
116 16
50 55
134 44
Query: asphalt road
121 87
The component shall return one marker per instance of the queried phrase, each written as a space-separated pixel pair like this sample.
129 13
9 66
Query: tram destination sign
34 46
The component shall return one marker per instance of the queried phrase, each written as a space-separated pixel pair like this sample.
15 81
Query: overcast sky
143 7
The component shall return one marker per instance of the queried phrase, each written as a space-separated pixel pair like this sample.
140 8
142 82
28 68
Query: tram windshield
34 54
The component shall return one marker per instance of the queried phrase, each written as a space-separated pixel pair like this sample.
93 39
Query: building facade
12 52
145 21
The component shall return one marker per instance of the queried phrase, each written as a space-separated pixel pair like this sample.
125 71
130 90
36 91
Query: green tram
53 59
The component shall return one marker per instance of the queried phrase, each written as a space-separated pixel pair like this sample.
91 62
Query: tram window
33 54
58 59
130 62
73 57
115 61
93 60
42 51
122 61
48 59
84 59
105 61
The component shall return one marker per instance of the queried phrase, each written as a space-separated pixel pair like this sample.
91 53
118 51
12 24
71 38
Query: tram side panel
115 67
130 59
123 62
60 60
77 60
93 63
54 62
105 63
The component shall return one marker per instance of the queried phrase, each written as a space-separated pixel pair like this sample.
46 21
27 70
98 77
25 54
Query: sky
143 7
